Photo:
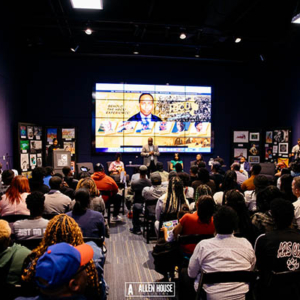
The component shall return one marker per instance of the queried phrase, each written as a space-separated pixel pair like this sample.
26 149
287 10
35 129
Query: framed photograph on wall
283 148
240 136
254 159
239 152
269 137
254 136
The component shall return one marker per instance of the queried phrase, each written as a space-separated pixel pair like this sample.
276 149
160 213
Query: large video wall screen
178 118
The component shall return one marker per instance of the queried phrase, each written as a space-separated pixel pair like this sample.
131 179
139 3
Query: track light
88 31
74 48
136 50
197 55
182 36
238 40
296 19
87 4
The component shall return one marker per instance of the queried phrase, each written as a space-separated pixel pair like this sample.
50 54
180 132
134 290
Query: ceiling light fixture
88 31
182 36
136 50
296 19
87 4
75 48
238 40
197 55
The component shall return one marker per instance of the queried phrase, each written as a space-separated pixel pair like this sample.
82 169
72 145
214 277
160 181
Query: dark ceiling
152 28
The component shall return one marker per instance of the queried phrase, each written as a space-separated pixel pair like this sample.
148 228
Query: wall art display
62 160
281 136
24 162
37 132
254 136
254 149
30 132
275 149
23 132
239 152
68 133
70 146
284 148
283 160
51 134
32 161
269 137
268 153
254 159
36 145
24 145
27 174
39 162
240 136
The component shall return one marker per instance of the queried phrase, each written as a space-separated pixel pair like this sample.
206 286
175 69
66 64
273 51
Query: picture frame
269 137
254 159
283 148
239 152
254 136
240 136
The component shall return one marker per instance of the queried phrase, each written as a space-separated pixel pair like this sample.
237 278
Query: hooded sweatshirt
11 260
105 183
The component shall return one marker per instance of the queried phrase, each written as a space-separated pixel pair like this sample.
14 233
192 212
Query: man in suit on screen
150 153
146 102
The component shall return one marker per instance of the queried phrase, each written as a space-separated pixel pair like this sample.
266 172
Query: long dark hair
82 198
206 208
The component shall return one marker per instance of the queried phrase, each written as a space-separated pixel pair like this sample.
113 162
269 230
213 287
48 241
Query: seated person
216 176
68 178
55 201
200 222
11 257
117 166
36 183
7 177
203 178
193 174
277 251
248 184
223 253
61 272
91 222
188 190
240 174
160 170
35 226
48 175
199 161
175 161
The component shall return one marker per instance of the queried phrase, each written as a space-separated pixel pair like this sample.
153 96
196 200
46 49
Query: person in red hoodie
106 183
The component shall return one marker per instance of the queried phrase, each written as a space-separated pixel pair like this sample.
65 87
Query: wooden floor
128 259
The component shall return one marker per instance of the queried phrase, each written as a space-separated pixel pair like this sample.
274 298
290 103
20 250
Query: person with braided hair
61 228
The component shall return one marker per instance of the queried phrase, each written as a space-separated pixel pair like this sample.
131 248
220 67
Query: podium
61 158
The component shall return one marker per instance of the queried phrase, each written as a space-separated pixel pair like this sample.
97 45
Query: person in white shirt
296 150
223 253
296 192
241 175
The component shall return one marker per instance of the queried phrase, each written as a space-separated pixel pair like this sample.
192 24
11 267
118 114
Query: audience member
48 175
64 187
199 160
35 226
148 193
200 222
296 192
11 257
202 190
295 166
60 229
286 187
7 177
263 219
136 176
117 166
68 178
61 272
137 186
240 175
215 175
284 171
36 183
193 174
13 201
55 201
229 183
175 161
160 170
260 183
91 222
107 184
248 184
96 201
84 174
246 229
277 251
244 165
188 190
224 253
203 178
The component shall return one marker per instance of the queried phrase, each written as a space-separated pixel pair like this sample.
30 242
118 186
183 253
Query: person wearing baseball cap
60 272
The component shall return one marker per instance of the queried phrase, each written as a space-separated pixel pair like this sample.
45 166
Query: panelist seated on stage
175 161
150 153
117 166
146 102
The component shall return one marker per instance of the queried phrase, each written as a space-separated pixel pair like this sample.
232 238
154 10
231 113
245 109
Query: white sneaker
116 219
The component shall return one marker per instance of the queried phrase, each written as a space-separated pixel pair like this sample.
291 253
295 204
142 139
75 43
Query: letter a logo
130 290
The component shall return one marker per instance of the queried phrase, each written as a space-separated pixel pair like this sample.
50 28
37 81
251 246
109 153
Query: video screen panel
178 118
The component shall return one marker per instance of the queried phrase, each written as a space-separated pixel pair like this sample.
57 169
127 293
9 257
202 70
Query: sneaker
130 215
137 232
116 219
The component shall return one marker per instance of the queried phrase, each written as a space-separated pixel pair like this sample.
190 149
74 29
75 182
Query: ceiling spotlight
88 31
197 55
136 50
296 19
74 49
238 40
182 36
87 4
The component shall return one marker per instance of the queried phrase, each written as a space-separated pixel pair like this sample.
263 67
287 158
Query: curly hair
61 228
89 184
